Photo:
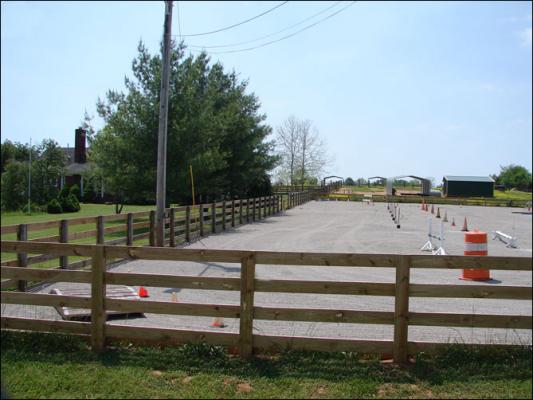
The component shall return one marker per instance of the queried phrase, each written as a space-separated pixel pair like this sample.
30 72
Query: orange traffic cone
465 227
143 292
218 322
453 221
432 209
422 205
438 213
445 216
427 207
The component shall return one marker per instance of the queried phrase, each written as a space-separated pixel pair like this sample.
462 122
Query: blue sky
429 89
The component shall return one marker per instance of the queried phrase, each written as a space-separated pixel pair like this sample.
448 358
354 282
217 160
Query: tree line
215 129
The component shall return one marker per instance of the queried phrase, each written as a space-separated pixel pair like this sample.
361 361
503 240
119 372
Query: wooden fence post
63 238
401 309
22 235
188 223
247 210
253 208
129 230
223 215
270 200
214 218
172 227
152 228
201 216
233 213
100 230
98 292
247 307
240 211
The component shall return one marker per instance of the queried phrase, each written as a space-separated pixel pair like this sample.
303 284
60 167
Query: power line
179 22
284 37
270 35
237 24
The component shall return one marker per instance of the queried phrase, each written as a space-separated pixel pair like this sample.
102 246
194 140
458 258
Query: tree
361 181
514 176
349 182
14 186
213 126
48 162
48 165
288 144
302 152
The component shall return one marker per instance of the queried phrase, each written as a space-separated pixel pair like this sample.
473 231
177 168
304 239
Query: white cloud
525 37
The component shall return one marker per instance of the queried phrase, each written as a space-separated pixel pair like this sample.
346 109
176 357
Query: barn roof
469 178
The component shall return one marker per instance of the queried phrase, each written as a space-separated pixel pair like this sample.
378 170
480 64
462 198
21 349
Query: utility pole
29 183
162 136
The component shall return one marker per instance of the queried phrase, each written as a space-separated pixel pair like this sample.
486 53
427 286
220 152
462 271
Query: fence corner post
98 293
247 307
401 309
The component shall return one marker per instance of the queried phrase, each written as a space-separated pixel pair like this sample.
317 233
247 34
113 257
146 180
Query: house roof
77 169
469 178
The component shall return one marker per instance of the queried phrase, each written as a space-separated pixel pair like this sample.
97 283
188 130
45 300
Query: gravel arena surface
342 227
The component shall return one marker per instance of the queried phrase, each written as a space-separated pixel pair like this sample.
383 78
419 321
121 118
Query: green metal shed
467 186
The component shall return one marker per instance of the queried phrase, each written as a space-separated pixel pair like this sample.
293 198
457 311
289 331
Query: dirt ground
353 227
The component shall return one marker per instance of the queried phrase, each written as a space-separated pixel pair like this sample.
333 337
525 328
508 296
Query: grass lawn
87 210
36 365
512 195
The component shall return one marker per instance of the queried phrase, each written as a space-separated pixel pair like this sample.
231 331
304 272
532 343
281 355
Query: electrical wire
284 37
179 20
237 24
270 35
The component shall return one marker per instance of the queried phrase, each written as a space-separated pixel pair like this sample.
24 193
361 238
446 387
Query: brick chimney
79 148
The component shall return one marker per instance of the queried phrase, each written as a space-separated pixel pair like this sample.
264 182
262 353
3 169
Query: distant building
467 186
77 167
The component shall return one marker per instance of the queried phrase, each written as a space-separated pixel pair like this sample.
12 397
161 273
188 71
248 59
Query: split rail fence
494 202
100 333
182 224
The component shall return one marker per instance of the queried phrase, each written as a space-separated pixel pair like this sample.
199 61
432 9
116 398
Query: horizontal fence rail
98 331
182 224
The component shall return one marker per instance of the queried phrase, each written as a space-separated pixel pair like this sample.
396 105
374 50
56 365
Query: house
77 167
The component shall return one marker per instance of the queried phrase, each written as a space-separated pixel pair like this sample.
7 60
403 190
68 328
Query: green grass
87 210
36 365
513 195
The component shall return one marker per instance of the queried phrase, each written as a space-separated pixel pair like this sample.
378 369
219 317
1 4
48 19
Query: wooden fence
494 202
99 332
182 224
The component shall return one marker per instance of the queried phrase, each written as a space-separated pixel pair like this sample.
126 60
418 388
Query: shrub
63 193
89 194
34 208
75 190
71 204
54 207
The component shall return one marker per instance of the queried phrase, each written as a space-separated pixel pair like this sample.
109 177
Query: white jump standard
428 246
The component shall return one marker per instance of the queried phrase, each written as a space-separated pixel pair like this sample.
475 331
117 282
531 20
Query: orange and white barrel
476 245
